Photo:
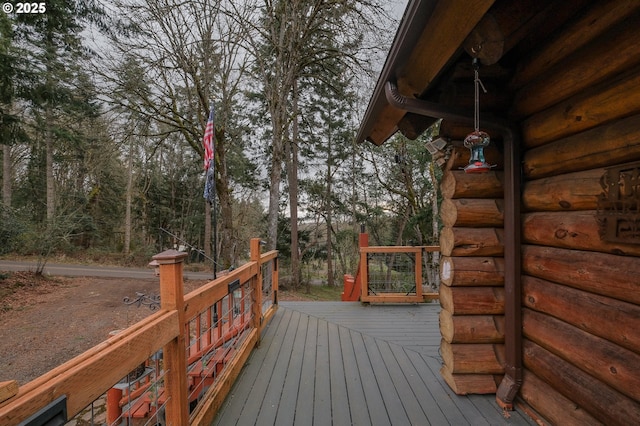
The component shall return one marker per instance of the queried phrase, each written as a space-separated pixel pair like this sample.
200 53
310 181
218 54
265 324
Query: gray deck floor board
340 363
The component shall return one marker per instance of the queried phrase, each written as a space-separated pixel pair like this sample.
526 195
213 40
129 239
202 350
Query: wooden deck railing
389 274
393 274
199 342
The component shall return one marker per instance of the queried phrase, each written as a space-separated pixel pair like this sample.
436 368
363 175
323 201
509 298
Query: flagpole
214 206
210 180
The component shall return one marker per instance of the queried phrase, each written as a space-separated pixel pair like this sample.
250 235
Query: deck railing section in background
393 274
187 355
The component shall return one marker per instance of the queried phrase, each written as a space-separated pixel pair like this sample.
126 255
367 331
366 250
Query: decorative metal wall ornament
618 211
152 301
477 140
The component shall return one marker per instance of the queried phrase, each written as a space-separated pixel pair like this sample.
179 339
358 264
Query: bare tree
291 40
192 58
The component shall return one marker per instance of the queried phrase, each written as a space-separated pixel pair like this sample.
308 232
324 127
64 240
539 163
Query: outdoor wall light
436 148
477 140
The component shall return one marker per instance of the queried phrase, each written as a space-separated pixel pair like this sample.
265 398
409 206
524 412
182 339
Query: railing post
363 241
174 352
256 286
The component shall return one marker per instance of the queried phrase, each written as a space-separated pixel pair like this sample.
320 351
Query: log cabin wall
472 275
576 99
567 75
581 298
580 125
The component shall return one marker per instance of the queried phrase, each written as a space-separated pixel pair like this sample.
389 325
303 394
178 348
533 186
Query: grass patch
318 293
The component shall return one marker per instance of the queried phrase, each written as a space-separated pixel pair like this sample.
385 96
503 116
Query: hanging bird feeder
477 140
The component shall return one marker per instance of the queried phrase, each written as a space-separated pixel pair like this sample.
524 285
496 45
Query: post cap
168 257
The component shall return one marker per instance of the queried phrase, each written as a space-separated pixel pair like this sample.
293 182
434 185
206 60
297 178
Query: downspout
512 379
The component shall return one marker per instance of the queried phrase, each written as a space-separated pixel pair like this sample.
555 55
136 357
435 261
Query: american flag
208 141
209 148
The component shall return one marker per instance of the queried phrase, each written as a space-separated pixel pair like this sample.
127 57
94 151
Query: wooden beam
174 357
613 99
472 300
459 242
611 364
587 28
471 328
481 358
602 402
613 143
472 271
8 389
392 298
472 212
464 384
605 274
571 230
448 27
567 191
458 184
551 404
386 124
615 52
601 316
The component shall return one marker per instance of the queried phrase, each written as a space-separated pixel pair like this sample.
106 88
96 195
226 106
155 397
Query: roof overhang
429 38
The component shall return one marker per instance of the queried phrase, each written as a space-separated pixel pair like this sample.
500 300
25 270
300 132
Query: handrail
86 377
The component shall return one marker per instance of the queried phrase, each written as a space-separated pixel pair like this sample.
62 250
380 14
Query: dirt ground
46 321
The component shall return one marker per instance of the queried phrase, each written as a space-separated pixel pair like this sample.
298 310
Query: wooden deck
344 363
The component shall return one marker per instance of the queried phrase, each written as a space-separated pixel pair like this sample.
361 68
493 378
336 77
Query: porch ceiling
429 57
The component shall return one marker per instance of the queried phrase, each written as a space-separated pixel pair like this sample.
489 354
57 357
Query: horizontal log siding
581 295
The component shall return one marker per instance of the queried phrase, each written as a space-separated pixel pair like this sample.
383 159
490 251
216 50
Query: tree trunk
292 175
48 140
128 200
227 255
6 175
328 209
274 189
